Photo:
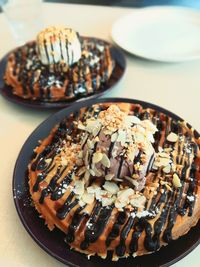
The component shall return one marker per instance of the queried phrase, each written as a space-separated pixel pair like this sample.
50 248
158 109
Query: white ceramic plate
169 34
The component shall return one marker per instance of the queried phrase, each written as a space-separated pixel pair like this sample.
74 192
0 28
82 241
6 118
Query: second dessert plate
118 71
168 34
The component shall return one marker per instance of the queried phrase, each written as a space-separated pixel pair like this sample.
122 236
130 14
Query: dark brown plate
53 242
118 71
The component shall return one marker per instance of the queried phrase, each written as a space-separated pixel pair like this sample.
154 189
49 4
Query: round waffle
106 212
29 78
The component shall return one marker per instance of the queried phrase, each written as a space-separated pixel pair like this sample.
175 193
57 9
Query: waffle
101 208
29 78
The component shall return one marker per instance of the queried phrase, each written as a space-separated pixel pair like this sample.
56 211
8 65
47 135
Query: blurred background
133 3
130 3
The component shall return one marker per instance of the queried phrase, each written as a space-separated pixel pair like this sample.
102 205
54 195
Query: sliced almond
120 205
123 195
92 172
97 157
138 201
105 161
109 176
117 179
86 175
107 201
121 137
93 189
96 129
139 137
81 126
172 137
98 173
164 155
96 139
88 198
81 171
79 187
176 180
90 144
167 169
114 137
133 119
132 181
91 124
168 187
111 187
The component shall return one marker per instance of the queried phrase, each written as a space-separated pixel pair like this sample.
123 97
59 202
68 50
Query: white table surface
175 87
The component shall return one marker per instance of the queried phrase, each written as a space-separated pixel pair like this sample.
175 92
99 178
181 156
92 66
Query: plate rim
54 119
144 11
120 60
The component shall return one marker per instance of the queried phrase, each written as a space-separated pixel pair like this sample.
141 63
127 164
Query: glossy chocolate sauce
83 78
168 204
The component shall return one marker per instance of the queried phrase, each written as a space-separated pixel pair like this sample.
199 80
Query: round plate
170 34
118 71
53 241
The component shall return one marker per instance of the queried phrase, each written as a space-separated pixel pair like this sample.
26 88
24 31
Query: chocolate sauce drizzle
169 204
82 78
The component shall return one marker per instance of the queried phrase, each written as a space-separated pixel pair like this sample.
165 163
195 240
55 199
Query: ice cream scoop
58 45
118 146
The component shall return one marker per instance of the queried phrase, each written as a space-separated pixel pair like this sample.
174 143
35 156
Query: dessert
118 177
60 65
